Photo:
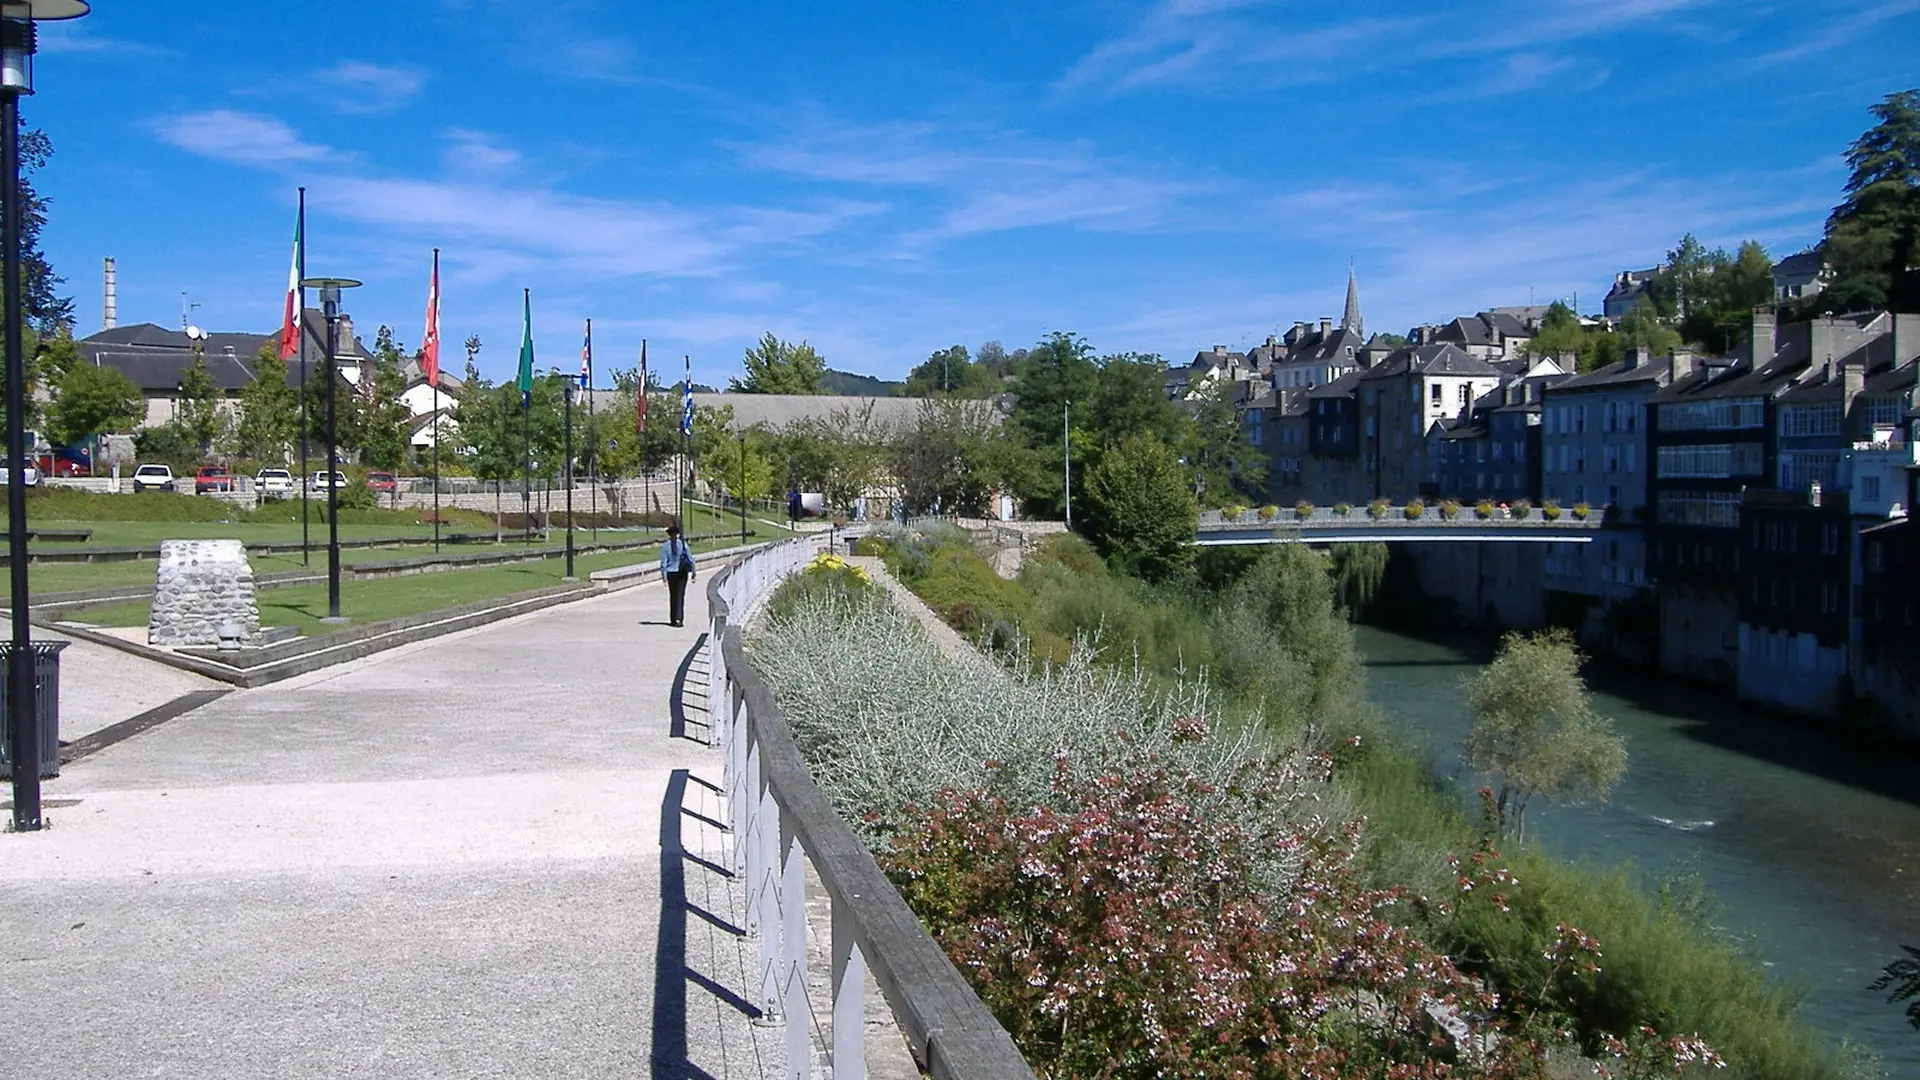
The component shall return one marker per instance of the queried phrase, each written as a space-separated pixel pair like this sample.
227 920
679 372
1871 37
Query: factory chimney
110 301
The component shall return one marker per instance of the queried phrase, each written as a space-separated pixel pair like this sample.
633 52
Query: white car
320 480
274 483
153 478
30 476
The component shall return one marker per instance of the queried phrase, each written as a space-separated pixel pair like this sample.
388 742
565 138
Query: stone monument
199 587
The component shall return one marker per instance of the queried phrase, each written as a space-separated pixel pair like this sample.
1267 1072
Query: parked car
382 483
274 483
319 480
153 478
212 478
30 475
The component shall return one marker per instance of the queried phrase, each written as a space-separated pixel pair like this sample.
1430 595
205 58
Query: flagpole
646 474
526 417
306 423
435 380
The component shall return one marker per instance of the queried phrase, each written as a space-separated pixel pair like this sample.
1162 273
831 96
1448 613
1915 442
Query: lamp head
330 292
18 39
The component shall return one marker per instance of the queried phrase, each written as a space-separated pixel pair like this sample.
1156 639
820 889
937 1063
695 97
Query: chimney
1853 382
1822 337
110 299
1219 350
1294 335
1423 335
1680 364
1760 344
226 350
1635 357
1326 326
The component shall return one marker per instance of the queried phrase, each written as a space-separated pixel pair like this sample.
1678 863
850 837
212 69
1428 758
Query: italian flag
290 321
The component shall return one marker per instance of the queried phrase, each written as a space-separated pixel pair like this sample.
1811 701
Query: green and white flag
526 349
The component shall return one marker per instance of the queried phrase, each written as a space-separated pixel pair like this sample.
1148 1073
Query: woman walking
676 567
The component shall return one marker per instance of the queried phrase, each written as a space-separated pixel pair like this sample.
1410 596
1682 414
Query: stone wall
198 587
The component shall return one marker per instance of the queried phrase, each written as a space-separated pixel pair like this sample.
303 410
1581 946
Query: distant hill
847 384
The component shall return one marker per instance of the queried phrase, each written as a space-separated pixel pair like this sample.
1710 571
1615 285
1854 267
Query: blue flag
686 400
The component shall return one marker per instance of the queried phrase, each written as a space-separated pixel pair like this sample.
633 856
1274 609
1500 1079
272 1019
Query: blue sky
886 179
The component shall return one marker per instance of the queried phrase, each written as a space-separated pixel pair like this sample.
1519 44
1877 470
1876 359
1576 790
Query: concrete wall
1791 671
1492 585
1700 633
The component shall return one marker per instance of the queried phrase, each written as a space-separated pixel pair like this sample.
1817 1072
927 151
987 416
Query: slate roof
1340 387
1441 358
1807 264
778 410
155 358
1650 369
1293 401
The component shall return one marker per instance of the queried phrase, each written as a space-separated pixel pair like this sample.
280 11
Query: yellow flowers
828 563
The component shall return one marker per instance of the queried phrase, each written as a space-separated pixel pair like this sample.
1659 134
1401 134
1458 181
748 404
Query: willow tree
1535 730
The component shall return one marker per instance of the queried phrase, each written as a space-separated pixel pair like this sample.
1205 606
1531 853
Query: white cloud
983 181
1264 43
238 137
371 88
1837 30
470 151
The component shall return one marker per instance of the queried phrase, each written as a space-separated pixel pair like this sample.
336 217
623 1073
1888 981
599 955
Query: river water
1810 845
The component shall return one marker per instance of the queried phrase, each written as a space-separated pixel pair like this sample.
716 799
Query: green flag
526 349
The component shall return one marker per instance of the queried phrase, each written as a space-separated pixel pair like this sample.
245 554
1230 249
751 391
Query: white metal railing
779 819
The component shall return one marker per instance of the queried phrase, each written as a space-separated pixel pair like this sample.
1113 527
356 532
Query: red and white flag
430 341
290 320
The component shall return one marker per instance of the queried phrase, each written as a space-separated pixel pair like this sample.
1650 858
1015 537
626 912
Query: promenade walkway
487 855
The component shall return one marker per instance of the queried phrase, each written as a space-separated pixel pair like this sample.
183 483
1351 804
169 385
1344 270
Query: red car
382 482
212 478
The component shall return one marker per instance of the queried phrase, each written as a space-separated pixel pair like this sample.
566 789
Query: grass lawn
303 606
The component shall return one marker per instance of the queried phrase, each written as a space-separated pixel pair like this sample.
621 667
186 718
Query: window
1810 420
1830 539
1612 458
1717 415
1870 488
1632 449
1711 460
1580 412
1876 557
1829 598
1802 468
1885 412
1466 394
1436 393
1716 509
1607 416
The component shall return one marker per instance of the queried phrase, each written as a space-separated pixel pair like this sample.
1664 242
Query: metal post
526 468
1066 447
567 478
306 421
436 401
743 486
333 464
25 726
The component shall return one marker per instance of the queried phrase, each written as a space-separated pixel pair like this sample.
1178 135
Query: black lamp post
330 307
743 486
16 78
567 385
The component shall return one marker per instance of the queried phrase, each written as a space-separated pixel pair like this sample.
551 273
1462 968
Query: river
1809 845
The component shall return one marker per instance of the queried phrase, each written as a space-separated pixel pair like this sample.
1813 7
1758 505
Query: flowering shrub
1483 509
1341 509
1268 513
1550 509
1122 931
1521 508
1303 510
1449 509
1378 508
1232 512
1581 510
826 577
1414 509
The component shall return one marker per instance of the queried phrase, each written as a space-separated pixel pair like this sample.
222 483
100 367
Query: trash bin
46 701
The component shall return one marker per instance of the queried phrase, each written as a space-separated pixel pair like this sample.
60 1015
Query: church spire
1351 320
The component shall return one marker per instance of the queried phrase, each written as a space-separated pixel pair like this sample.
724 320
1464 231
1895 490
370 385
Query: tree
1056 371
950 459
1534 728
44 310
1141 514
1873 236
269 420
780 367
1227 466
723 468
383 418
200 416
1559 332
1130 397
93 401
1901 980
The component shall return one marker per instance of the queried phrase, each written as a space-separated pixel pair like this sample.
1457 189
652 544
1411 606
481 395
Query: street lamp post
566 453
330 307
17 18
743 487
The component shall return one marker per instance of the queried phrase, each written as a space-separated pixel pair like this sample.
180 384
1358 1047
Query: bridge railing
780 818
1359 516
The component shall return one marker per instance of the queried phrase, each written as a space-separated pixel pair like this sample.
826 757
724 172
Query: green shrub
1232 511
1581 510
870 545
1414 510
1449 509
1483 509
1341 509
1303 510
1378 508
1520 509
1550 511
1268 513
